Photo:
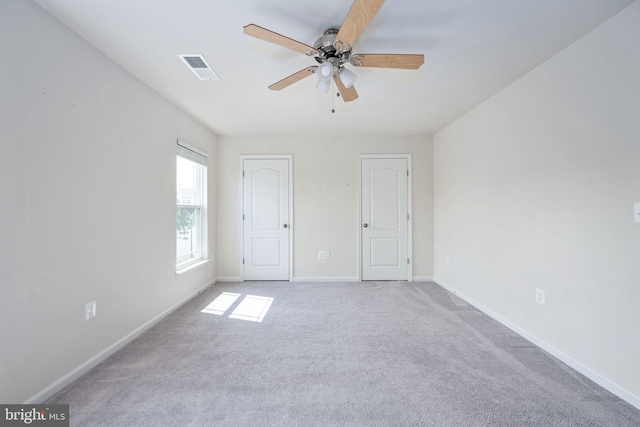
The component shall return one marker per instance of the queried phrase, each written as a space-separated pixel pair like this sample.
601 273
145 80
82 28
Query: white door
385 219
266 219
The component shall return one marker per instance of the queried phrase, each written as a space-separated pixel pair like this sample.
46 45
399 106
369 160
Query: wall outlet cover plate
89 310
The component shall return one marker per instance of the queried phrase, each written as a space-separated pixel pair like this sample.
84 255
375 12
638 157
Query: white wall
325 185
88 202
534 189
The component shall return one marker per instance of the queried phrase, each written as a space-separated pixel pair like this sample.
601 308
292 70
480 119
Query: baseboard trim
299 279
584 370
423 278
76 373
326 279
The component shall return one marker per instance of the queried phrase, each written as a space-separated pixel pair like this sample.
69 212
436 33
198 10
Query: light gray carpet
347 354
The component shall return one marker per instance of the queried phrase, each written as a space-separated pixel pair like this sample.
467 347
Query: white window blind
189 154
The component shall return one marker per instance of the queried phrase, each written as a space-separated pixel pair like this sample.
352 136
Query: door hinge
243 173
407 172
242 260
407 217
408 261
243 217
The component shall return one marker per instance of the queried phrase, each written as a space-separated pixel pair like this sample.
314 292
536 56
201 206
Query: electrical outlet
540 296
89 310
324 255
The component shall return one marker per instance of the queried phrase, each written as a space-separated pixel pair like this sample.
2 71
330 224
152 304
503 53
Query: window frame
202 236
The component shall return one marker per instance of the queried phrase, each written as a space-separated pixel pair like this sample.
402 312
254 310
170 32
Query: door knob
366 225
285 225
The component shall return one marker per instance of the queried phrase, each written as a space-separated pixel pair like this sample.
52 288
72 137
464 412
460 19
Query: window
191 203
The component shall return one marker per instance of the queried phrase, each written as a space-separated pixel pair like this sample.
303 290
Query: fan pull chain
333 100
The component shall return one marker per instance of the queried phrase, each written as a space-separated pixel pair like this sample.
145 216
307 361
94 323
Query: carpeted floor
344 354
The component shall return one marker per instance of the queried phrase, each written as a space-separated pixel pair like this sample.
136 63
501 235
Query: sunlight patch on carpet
221 304
252 308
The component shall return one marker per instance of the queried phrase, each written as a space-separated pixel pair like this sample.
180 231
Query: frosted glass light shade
348 77
323 85
325 71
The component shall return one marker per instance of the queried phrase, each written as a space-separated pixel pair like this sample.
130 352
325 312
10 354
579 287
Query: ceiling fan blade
347 94
293 78
405 62
359 16
272 37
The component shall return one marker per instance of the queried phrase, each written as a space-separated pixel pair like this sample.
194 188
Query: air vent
199 66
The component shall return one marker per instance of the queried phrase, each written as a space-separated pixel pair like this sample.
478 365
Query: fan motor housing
328 52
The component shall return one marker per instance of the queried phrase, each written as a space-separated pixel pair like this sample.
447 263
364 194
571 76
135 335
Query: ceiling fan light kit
334 49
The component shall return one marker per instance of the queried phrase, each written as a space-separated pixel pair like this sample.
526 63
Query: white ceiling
473 49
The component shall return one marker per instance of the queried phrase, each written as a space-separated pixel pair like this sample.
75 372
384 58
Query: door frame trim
244 157
407 157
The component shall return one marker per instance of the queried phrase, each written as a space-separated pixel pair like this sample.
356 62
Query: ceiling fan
334 49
